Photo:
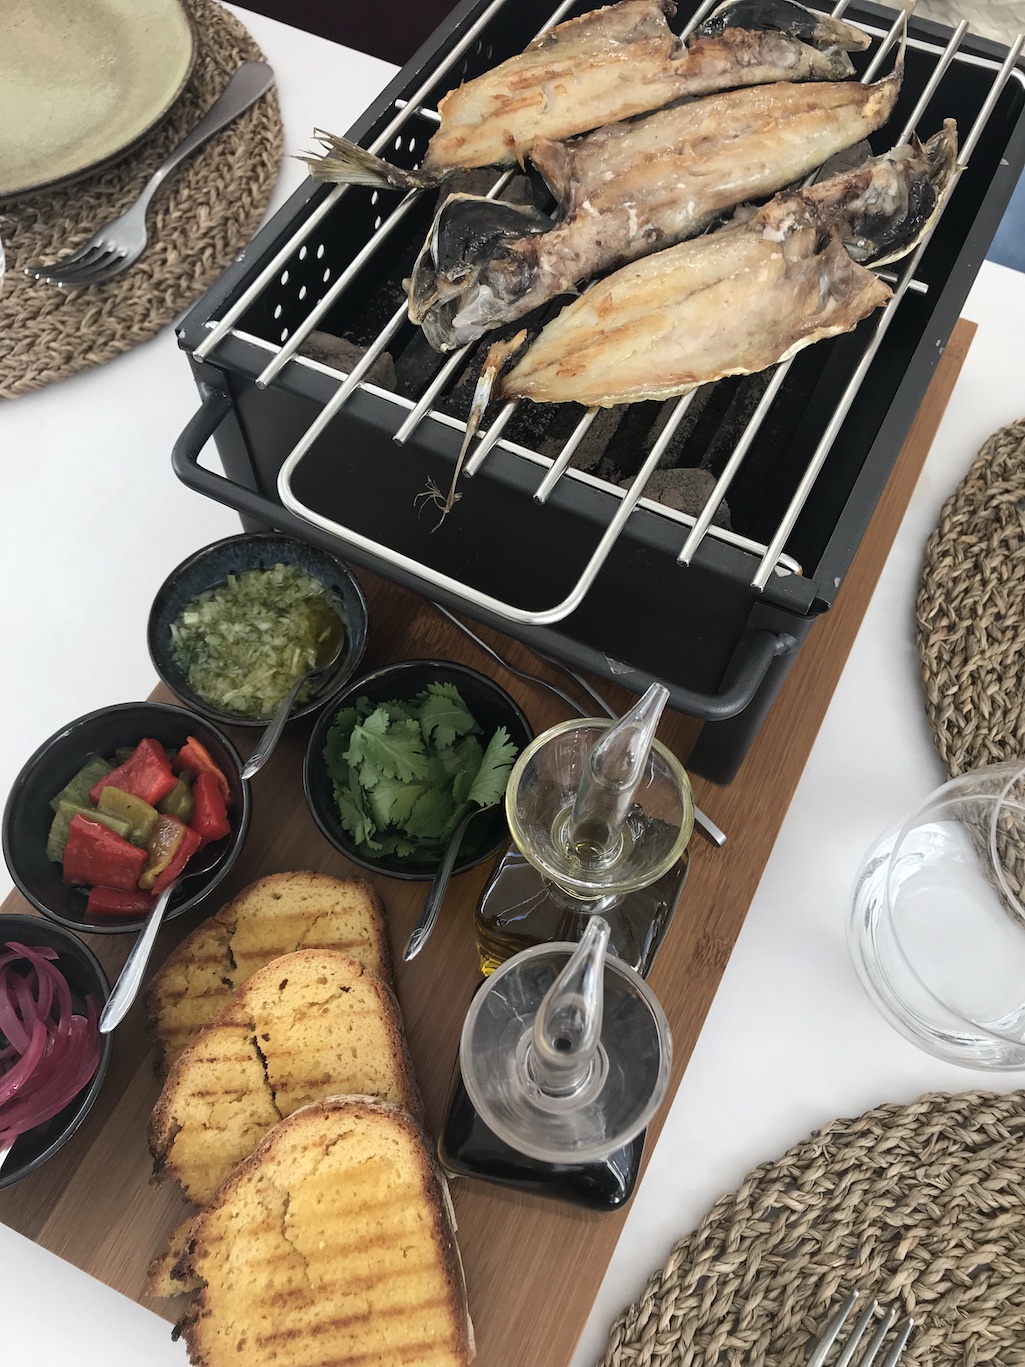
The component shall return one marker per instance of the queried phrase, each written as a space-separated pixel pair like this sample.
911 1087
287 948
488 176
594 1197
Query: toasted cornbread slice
167 1274
305 1026
330 1244
273 916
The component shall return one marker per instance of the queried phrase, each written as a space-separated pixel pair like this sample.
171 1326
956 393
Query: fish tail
487 382
346 163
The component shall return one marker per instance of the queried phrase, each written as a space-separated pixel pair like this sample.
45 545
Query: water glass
937 929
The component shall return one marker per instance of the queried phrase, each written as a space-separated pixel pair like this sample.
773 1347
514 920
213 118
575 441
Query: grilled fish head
784 16
885 207
470 257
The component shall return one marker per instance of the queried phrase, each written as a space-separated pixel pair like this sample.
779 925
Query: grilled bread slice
332 1243
307 1025
275 915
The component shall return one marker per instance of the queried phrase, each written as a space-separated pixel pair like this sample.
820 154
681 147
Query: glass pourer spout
567 1027
614 770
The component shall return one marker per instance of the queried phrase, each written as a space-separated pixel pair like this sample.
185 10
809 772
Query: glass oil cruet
600 814
565 1051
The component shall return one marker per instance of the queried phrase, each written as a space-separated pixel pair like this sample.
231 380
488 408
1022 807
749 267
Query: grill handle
742 680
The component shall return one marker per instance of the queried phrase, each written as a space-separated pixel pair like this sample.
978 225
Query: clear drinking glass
937 930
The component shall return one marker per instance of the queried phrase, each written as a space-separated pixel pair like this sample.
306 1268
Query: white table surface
790 1043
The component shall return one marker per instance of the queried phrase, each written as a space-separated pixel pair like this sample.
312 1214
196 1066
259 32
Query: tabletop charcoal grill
331 414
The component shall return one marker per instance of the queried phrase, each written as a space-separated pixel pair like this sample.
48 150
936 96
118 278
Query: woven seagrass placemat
971 612
199 221
921 1207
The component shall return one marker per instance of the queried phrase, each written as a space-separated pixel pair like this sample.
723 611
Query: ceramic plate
81 80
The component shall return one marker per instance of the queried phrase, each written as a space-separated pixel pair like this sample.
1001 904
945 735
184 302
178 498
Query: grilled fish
628 190
608 65
745 297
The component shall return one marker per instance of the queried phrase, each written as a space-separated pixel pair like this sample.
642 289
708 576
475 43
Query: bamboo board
533 1266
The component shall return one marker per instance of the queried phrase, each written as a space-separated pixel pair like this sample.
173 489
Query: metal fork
120 243
829 1335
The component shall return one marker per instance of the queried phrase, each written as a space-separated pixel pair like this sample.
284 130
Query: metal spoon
126 989
436 892
272 735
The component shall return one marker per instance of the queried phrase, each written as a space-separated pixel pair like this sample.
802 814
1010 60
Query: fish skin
607 66
628 190
731 303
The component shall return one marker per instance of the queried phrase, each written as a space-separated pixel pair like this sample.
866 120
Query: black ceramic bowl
491 707
85 977
207 568
27 815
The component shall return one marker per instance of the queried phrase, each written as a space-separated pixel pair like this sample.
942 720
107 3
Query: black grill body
721 641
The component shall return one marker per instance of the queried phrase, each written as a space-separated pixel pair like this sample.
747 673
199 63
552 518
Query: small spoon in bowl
436 892
126 989
269 739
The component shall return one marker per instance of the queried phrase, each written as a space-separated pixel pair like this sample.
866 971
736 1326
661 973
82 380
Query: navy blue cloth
1008 247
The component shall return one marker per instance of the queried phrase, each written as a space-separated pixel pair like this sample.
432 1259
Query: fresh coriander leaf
391 800
458 812
469 755
387 749
489 784
444 716
354 816
404 848
400 711
338 741
429 814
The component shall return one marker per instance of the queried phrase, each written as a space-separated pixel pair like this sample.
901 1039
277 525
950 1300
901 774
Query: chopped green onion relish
243 644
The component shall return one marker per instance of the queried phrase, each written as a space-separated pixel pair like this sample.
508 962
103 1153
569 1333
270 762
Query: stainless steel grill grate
582 563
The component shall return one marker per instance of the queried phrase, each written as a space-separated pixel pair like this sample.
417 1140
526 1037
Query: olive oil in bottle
519 908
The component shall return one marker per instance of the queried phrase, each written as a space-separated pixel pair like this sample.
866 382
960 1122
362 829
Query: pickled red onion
51 1052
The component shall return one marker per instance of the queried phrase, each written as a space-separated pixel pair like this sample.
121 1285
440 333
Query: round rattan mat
199 221
971 612
921 1207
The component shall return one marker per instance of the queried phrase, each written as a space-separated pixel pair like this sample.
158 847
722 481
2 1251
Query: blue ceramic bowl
491 707
28 815
85 977
207 568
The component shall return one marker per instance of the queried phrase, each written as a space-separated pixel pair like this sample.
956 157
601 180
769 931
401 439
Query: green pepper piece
77 790
140 816
61 825
122 753
178 801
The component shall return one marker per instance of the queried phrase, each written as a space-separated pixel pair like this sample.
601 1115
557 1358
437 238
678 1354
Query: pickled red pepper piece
209 812
196 758
94 854
115 902
146 773
190 843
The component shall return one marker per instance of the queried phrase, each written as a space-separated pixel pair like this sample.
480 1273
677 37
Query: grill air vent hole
284 277
302 252
277 310
320 246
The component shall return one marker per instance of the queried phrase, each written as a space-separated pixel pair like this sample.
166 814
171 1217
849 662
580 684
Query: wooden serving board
533 1266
